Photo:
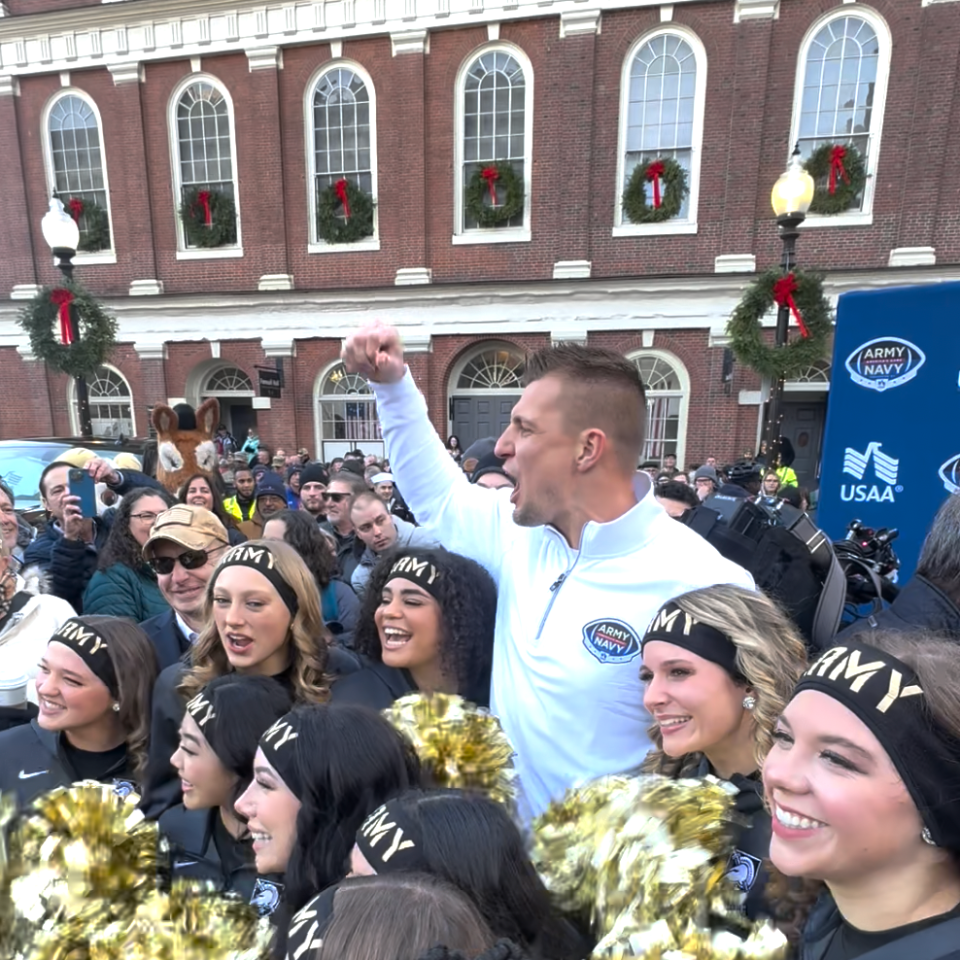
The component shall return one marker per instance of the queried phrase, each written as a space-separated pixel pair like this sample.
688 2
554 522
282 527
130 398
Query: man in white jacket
582 553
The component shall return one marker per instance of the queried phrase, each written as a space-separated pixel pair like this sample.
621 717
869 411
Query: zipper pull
557 583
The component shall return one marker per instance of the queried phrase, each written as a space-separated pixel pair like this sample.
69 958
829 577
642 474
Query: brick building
134 107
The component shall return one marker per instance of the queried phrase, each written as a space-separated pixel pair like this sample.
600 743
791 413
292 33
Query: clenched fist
375 351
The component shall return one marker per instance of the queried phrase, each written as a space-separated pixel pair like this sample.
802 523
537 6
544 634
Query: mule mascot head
185 441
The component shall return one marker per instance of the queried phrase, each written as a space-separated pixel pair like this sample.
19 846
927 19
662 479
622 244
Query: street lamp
791 198
62 234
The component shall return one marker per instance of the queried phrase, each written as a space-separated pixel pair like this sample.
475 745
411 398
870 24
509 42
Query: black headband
261 559
92 649
673 625
421 572
205 717
309 926
886 695
391 841
278 747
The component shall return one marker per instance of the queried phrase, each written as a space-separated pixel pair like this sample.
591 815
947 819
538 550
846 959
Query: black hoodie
35 761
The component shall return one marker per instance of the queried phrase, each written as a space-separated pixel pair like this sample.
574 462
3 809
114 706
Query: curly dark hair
215 483
468 604
303 534
120 546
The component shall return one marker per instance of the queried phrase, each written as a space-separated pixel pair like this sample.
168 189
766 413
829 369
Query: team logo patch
123 788
950 474
742 870
611 641
885 363
265 897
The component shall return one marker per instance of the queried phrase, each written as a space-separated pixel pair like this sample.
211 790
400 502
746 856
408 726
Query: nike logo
27 776
177 864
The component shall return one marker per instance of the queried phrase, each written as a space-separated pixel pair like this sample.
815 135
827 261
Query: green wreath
96 337
333 225
673 186
93 222
849 178
222 231
746 334
497 179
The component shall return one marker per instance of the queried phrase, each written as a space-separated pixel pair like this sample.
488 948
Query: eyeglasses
189 560
336 497
145 517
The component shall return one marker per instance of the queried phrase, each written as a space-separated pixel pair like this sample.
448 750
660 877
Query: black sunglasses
189 560
336 497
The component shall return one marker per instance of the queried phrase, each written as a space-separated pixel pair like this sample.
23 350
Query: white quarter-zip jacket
569 622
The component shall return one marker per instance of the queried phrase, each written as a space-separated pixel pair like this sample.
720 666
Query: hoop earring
927 837
749 702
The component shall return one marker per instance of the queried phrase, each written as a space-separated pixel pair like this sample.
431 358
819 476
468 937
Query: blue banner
891 450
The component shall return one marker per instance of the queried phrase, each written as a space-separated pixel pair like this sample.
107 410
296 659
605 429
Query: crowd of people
225 652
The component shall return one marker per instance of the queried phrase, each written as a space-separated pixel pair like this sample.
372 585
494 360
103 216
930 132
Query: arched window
341 132
841 88
204 148
227 381
668 389
661 115
493 369
484 387
346 414
111 404
494 94
77 170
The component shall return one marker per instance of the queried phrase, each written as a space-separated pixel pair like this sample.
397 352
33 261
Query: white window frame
684 376
339 447
72 400
687 225
863 217
101 256
183 251
314 243
504 234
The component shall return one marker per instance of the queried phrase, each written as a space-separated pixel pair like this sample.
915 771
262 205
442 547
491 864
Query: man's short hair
356 483
608 393
679 491
368 496
51 466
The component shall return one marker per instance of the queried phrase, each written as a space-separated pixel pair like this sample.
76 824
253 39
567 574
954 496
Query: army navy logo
611 641
950 474
742 870
885 363
265 897
123 788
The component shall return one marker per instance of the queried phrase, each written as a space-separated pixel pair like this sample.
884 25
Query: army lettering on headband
258 556
421 569
201 709
281 732
308 915
843 666
81 635
377 826
666 620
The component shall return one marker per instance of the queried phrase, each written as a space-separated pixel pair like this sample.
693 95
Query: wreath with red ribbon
344 212
209 218
494 194
802 294
47 321
668 183
93 222
839 175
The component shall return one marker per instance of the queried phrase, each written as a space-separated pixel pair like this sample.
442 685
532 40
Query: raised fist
375 351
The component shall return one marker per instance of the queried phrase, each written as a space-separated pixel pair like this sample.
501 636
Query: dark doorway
239 417
477 417
803 425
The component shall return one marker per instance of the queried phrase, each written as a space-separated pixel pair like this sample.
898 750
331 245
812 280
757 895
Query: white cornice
161 29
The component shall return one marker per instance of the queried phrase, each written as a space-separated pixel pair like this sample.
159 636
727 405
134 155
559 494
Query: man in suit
184 547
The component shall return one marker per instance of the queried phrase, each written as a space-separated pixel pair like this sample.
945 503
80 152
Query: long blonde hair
306 634
771 655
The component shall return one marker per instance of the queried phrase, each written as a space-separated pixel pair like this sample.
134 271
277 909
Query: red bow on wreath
204 198
76 209
341 190
783 291
63 298
653 174
491 175
836 167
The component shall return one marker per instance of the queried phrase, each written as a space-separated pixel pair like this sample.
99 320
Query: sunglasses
336 497
189 560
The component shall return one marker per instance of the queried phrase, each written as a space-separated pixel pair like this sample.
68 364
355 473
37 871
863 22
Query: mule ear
165 419
208 416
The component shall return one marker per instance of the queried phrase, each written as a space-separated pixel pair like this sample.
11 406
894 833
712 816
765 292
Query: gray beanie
706 472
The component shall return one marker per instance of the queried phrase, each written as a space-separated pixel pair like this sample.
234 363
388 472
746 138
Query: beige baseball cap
190 526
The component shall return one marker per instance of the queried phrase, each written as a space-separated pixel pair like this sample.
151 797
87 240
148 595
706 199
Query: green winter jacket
120 591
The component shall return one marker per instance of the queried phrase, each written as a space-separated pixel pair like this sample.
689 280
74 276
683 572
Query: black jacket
194 856
733 490
374 685
919 604
34 762
161 786
939 942
349 550
167 638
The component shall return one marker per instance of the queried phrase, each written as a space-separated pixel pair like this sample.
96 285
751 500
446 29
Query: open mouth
791 824
51 708
515 494
186 786
394 638
671 725
239 644
260 839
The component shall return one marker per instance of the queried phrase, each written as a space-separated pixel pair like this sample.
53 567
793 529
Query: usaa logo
611 641
950 474
885 363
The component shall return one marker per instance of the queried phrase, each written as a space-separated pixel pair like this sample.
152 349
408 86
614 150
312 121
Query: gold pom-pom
463 745
80 883
643 861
